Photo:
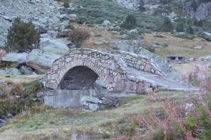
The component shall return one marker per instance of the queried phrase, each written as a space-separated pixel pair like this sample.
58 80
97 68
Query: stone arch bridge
119 70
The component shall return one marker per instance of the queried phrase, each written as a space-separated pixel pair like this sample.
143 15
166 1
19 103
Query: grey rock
208 58
114 32
43 28
93 107
155 46
124 36
2 72
2 81
90 99
125 45
45 35
197 47
63 16
2 123
206 33
52 33
106 23
92 33
12 71
99 43
130 4
54 46
15 58
191 59
25 70
73 16
40 60
134 31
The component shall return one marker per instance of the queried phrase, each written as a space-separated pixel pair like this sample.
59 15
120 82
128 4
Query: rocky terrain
137 56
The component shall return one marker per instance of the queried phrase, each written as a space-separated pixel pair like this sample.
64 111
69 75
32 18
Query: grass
45 120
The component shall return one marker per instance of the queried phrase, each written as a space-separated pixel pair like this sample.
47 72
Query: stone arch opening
78 78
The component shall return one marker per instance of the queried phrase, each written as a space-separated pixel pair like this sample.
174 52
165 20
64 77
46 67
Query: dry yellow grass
176 46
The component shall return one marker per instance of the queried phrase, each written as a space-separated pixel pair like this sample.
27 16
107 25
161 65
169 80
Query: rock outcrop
40 60
44 13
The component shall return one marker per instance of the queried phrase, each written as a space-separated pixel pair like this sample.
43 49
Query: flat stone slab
161 81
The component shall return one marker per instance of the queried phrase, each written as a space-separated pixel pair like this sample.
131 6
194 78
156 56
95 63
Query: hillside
115 53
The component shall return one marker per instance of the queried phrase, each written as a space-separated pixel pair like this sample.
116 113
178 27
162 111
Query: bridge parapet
140 62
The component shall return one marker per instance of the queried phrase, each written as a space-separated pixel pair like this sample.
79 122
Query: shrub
22 36
180 27
190 30
141 6
167 25
129 23
150 48
66 4
78 36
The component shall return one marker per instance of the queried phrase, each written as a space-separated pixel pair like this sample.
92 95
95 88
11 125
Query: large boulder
15 59
13 71
54 46
41 60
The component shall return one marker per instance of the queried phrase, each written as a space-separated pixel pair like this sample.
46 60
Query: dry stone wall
111 69
139 62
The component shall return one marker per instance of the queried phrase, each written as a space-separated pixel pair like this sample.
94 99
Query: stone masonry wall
111 69
139 62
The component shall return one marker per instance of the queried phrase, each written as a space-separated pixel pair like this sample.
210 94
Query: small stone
197 47
134 31
114 32
99 43
191 59
73 16
106 23
93 107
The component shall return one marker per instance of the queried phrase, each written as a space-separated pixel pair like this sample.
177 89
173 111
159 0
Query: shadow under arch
78 78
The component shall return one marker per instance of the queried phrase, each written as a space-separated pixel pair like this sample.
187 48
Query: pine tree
190 30
129 23
180 27
22 36
167 25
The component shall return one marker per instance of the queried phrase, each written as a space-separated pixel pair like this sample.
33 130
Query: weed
78 36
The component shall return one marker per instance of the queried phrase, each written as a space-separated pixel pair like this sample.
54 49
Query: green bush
98 35
22 36
150 48
190 30
78 36
129 23
180 27
66 5
167 25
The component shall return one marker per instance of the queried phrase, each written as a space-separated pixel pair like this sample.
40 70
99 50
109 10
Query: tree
22 36
78 36
180 27
167 25
141 6
66 4
190 30
129 23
